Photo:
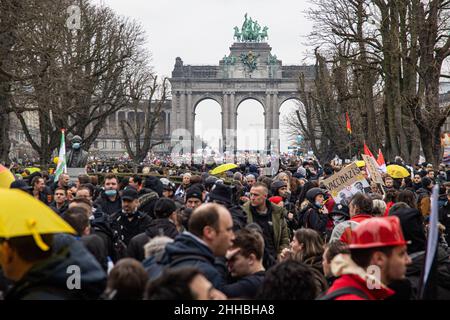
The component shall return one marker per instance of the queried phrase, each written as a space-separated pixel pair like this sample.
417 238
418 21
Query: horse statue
263 35
237 34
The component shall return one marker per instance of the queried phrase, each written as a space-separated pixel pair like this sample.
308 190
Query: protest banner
372 167
346 183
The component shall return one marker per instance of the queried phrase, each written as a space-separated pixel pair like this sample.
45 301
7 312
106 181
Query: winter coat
280 228
312 217
444 218
196 254
157 227
61 210
238 216
315 263
147 201
128 229
245 287
353 276
107 206
47 280
413 273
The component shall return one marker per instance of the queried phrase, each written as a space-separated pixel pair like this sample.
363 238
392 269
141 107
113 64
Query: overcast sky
201 32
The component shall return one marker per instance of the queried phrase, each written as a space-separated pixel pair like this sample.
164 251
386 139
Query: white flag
61 167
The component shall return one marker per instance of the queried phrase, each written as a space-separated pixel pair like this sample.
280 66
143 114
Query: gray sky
201 32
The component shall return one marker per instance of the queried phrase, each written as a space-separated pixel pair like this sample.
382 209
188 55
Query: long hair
312 245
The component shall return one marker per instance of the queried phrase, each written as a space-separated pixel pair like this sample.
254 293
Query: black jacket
157 227
48 279
239 217
197 255
96 246
245 287
444 218
107 206
128 229
311 217
414 271
61 210
147 201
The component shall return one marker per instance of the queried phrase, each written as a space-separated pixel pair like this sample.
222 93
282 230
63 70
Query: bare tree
74 79
398 46
139 132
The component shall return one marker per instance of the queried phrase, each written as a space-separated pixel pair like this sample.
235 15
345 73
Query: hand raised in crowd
285 254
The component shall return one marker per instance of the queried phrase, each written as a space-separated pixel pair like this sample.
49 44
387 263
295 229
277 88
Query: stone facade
250 71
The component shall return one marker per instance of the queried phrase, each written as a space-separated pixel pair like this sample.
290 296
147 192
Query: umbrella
6 177
360 163
33 170
222 168
23 215
397 172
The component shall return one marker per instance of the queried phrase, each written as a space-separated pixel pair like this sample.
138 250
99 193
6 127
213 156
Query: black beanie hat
164 207
194 192
155 184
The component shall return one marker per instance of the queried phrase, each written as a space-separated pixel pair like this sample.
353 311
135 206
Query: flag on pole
367 151
381 162
61 167
428 281
349 127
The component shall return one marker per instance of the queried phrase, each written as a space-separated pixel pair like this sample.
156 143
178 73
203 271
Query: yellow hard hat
23 215
6 177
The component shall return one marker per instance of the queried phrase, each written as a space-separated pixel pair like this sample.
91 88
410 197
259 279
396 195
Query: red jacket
360 217
352 280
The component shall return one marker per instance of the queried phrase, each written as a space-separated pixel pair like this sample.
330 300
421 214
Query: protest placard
372 167
346 183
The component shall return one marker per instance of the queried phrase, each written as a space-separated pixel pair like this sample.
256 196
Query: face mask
76 146
110 193
318 205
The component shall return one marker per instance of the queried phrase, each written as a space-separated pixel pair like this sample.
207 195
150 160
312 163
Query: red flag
349 127
380 159
367 151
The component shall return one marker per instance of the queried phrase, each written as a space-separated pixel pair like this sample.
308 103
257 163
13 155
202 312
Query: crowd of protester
246 236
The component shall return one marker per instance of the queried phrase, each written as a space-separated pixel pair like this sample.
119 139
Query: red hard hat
378 232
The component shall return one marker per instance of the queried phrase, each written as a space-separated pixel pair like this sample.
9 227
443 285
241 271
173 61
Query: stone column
233 121
182 116
268 119
276 121
175 108
225 118
190 117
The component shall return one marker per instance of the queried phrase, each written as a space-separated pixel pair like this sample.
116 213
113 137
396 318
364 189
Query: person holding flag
62 166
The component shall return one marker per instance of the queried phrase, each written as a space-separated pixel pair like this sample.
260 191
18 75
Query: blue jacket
189 252
48 279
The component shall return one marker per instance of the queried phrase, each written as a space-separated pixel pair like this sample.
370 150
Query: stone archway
232 82
209 127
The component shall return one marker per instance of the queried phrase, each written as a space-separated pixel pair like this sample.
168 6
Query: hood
411 221
147 197
186 244
423 190
343 264
54 271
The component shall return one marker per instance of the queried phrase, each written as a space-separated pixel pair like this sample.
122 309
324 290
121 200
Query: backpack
343 292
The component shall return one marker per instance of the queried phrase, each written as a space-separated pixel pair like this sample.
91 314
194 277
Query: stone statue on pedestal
76 157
